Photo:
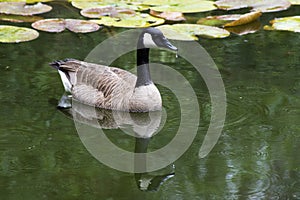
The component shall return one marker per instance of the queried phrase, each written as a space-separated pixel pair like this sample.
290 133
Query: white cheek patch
148 41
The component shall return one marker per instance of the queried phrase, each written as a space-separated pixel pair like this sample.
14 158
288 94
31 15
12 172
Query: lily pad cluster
146 13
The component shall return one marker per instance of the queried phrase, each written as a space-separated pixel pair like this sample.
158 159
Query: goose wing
98 85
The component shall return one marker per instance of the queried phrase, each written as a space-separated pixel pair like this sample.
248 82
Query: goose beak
168 45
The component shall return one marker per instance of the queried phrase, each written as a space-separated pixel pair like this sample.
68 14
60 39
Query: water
256 156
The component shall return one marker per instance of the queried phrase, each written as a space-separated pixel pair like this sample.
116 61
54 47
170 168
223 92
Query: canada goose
114 88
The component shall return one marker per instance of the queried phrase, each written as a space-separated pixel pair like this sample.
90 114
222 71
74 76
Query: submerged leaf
19 18
20 8
170 16
50 25
137 21
285 24
81 26
191 30
14 34
256 5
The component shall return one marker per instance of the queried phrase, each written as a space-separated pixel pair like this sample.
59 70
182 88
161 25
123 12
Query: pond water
42 155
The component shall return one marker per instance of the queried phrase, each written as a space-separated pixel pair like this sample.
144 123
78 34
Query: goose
114 88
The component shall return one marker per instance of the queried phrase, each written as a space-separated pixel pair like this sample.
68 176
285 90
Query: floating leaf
285 24
50 25
59 25
114 3
19 18
230 20
170 16
256 5
191 6
110 11
244 19
245 29
191 30
81 26
137 21
14 34
172 33
295 2
20 8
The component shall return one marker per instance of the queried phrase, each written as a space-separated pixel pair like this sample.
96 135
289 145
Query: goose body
115 88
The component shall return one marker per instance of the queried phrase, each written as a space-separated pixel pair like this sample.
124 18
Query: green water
256 156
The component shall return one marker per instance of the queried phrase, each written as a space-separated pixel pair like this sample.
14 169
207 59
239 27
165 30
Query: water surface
256 157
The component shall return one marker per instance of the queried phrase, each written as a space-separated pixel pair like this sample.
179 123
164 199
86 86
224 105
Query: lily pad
26 1
81 26
110 11
285 24
14 34
138 21
192 30
20 8
295 2
172 33
19 18
170 16
59 25
230 20
256 5
115 3
50 25
192 6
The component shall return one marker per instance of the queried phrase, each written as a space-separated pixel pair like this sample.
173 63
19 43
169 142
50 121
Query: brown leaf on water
110 11
244 19
170 16
256 5
81 26
19 18
245 29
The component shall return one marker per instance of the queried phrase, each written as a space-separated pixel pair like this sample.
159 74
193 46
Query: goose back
108 87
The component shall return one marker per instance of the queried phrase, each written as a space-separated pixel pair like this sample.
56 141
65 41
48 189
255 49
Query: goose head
154 38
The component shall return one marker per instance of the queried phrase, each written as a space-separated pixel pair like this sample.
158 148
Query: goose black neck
143 72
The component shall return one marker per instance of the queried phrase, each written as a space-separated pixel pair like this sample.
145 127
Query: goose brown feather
108 87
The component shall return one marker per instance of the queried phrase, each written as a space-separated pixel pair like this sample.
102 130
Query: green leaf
285 24
140 20
190 31
20 8
115 3
192 6
256 5
295 2
14 34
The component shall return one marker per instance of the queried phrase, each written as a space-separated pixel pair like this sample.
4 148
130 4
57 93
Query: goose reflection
142 126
